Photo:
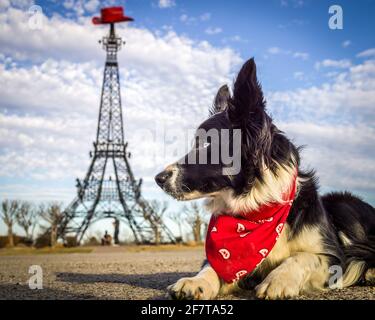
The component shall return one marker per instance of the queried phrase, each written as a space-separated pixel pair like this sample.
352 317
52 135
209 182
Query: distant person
107 239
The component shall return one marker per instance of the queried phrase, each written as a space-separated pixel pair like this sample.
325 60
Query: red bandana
235 246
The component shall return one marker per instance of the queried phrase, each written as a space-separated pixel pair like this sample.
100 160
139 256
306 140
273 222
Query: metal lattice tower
109 189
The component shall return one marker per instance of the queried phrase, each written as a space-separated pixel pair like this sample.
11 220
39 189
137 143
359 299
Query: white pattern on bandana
263 252
225 253
240 227
239 274
245 234
279 228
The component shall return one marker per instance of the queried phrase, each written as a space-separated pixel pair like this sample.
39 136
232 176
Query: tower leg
136 229
96 171
85 224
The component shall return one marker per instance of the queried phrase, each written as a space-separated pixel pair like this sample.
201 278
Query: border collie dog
336 229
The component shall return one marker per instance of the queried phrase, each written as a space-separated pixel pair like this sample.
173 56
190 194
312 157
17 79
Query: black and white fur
321 231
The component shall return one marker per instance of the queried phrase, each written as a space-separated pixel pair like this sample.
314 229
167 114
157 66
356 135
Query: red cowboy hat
111 15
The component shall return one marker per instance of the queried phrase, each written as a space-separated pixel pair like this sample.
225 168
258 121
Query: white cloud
81 7
294 23
28 90
76 6
68 4
301 55
296 54
166 4
349 95
292 3
186 19
367 53
283 3
346 43
92 5
189 20
340 153
274 50
20 4
183 17
205 17
235 38
329 63
299 75
79 41
4 3
212 30
336 122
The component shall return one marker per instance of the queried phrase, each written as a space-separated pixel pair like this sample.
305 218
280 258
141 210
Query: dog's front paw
195 288
278 286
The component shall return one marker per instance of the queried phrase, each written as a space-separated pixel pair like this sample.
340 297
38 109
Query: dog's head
233 148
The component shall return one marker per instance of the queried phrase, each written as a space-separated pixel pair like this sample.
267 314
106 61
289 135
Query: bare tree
26 218
178 219
9 210
195 217
159 208
53 215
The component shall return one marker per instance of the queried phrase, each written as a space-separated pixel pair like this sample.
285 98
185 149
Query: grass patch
152 248
33 251
18 251
163 247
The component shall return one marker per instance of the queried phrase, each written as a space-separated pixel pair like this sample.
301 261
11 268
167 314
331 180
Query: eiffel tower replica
109 189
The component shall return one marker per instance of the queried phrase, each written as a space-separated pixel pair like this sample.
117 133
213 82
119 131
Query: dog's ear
246 110
221 100
247 94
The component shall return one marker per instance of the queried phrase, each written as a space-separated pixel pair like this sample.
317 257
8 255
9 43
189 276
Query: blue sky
319 84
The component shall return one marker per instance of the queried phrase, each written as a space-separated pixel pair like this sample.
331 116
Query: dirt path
117 273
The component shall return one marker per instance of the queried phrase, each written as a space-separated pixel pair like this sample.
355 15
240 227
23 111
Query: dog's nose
162 177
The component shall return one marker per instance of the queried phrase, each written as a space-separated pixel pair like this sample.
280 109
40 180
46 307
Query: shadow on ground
157 281
23 292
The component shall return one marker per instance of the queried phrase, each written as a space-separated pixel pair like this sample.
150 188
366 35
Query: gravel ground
116 273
